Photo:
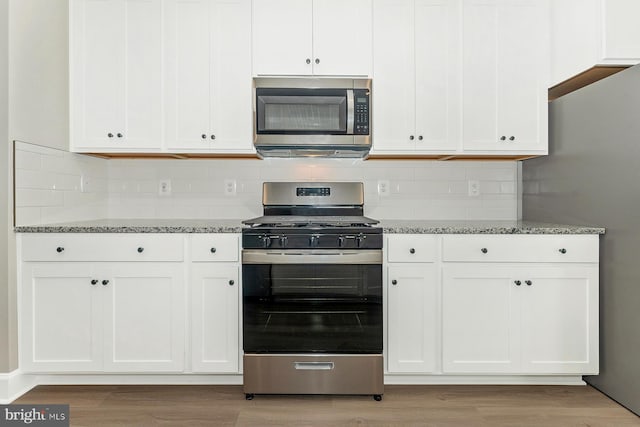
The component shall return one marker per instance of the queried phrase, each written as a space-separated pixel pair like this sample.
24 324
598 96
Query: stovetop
313 215
277 221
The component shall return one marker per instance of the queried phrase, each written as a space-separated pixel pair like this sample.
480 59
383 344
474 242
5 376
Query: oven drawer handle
312 257
313 366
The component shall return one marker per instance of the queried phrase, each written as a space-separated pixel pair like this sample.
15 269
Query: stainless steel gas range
312 293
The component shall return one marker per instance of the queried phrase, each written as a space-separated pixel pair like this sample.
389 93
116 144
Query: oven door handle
253 256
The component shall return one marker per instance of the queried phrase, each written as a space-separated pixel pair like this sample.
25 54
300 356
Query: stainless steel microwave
312 117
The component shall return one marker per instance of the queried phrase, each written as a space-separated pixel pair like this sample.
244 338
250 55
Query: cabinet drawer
520 248
411 248
214 247
102 247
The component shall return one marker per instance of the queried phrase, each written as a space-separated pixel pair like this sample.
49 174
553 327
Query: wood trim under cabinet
583 79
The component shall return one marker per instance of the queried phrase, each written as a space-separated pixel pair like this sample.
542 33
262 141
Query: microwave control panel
361 107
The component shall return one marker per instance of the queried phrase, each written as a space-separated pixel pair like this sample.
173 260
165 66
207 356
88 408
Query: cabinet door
282 37
187 68
116 75
97 72
215 317
394 73
480 319
560 320
342 37
437 75
412 318
61 318
504 75
231 93
620 31
143 317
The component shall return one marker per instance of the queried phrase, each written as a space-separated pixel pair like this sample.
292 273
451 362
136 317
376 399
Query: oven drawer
411 248
313 374
214 247
520 248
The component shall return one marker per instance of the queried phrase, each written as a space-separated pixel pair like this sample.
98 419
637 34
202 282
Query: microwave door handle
350 112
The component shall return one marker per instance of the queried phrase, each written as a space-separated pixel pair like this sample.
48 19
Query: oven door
297 111
312 301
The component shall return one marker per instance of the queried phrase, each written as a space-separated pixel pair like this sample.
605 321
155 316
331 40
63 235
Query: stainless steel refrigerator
592 176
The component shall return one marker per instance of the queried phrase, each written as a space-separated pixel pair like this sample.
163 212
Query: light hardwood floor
540 406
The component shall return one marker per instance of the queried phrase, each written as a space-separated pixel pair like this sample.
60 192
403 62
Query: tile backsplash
54 186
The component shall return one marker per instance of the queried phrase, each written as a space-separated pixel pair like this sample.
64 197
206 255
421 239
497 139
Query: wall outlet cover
384 187
164 187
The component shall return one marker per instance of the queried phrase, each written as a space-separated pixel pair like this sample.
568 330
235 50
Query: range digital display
318 191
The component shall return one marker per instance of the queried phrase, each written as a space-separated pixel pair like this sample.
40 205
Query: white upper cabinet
416 76
312 37
589 33
208 76
504 76
116 75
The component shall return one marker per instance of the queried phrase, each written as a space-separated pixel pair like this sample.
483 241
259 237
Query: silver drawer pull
313 366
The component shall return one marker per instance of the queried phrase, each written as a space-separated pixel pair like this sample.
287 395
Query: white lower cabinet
111 317
412 304
520 319
61 312
215 290
215 303
412 318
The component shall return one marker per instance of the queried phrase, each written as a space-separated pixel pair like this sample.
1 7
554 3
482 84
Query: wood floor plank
443 405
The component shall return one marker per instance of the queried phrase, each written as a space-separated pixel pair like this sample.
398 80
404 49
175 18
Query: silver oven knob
314 240
266 241
341 241
360 240
283 241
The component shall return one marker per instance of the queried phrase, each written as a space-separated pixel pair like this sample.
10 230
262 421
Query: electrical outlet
230 186
474 187
84 183
164 187
384 187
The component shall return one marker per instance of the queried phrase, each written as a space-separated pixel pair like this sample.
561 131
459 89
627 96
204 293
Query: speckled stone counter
484 227
235 226
139 226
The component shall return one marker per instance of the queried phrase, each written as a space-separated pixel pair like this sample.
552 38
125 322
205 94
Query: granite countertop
235 226
484 227
138 226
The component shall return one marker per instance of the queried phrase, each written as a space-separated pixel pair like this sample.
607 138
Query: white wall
57 186
39 61
7 353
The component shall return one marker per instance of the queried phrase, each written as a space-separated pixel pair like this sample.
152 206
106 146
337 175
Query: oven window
317 308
